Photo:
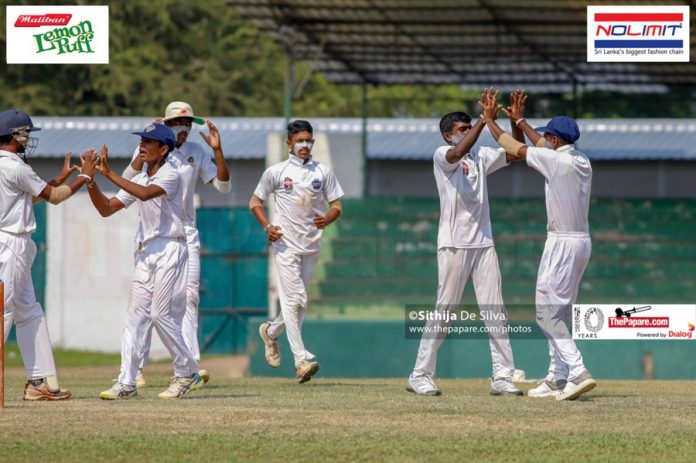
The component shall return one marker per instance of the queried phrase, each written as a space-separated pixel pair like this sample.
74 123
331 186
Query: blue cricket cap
14 119
159 132
563 127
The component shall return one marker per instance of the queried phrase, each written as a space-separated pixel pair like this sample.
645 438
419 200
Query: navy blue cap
563 127
15 119
159 132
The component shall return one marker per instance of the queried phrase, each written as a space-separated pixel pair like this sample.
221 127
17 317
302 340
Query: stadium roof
537 44
387 139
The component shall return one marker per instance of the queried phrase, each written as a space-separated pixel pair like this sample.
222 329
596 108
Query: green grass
64 358
275 419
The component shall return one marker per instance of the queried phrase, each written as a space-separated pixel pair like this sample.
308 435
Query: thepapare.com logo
57 34
638 33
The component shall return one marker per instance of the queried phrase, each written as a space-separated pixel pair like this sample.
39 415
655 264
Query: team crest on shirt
287 183
316 184
190 160
465 168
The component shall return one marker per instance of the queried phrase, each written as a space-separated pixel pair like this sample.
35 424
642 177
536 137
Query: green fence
384 251
234 277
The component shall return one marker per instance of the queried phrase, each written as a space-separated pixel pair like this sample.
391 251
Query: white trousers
157 298
189 325
294 277
17 253
454 266
562 264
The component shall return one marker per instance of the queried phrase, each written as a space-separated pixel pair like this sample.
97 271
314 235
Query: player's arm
142 192
335 210
56 194
221 181
457 152
259 211
105 206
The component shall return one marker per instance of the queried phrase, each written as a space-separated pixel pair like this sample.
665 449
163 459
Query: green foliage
202 52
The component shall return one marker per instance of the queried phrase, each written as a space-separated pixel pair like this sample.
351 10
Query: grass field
275 419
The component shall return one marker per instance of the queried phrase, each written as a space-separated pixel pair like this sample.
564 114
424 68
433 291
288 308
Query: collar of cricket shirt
298 161
568 147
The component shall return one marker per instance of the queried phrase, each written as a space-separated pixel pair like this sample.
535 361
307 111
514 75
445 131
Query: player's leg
566 288
453 270
30 324
135 331
489 295
168 308
293 298
307 264
557 375
193 298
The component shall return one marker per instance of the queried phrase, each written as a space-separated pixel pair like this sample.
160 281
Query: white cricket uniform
18 185
158 289
568 175
300 190
465 248
195 162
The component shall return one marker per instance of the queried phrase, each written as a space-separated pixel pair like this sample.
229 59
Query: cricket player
568 176
301 187
158 289
465 248
195 162
19 187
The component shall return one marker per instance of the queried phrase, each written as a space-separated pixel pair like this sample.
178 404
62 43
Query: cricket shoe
504 386
182 385
422 385
119 391
271 348
306 370
547 388
39 389
205 375
140 380
574 388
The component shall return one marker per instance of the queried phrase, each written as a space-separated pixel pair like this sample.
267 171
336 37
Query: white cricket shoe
503 386
574 388
182 385
119 391
422 385
271 348
547 389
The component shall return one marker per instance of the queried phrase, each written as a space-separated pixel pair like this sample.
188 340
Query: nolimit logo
638 34
57 34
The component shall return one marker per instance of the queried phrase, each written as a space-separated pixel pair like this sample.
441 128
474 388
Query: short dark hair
448 120
6 139
299 126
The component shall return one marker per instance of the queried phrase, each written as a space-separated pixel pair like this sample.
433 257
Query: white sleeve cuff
222 187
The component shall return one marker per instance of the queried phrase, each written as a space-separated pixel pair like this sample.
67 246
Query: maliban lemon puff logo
57 34
74 39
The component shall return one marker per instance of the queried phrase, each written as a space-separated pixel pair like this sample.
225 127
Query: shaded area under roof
396 139
538 44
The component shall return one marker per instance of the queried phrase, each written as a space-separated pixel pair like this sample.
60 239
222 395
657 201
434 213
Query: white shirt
18 185
568 175
195 162
160 217
464 213
300 191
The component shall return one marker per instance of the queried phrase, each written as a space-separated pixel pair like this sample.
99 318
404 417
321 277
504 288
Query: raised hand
515 111
213 139
489 104
88 159
102 164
